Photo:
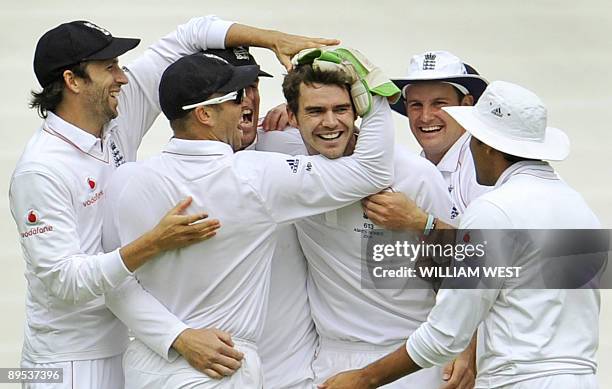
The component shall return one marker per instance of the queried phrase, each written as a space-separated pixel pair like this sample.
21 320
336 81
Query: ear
293 122
205 115
467 100
71 81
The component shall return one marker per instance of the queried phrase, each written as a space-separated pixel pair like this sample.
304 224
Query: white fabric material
512 119
288 342
62 177
335 356
524 333
224 282
457 168
105 373
341 307
561 381
145 369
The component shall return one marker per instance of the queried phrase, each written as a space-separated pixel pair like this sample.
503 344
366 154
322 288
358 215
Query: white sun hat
512 119
440 66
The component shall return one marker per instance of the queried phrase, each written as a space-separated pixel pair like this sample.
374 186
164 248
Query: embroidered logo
117 155
91 183
32 217
102 30
454 212
293 164
241 53
497 112
430 61
308 166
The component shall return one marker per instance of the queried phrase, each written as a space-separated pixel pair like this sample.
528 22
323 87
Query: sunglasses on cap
236 96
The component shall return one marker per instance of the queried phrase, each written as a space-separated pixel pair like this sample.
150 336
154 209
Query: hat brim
242 77
556 145
117 47
474 83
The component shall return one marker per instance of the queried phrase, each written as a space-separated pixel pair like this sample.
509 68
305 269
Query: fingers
276 119
212 374
224 371
325 42
225 337
181 206
447 371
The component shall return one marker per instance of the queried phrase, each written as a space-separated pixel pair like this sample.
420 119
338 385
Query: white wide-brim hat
512 119
440 66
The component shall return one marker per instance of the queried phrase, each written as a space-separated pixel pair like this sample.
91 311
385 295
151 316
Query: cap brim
474 83
242 77
264 74
556 145
117 47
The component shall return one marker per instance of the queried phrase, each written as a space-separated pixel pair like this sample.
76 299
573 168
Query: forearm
242 35
148 318
375 144
390 368
139 251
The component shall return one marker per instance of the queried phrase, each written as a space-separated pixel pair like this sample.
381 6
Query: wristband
429 225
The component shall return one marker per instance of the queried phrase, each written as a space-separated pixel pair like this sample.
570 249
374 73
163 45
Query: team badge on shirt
91 183
293 164
117 154
32 217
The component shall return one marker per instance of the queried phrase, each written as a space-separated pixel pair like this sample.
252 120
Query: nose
427 113
329 119
120 77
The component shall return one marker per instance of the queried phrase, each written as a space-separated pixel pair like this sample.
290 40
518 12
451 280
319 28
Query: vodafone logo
91 183
32 217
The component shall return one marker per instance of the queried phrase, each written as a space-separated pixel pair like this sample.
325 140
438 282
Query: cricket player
95 115
435 79
342 308
288 342
527 338
225 284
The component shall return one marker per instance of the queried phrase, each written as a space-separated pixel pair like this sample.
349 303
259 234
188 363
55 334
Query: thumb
447 371
285 61
181 206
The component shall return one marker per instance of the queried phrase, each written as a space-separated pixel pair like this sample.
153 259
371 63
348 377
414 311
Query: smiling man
436 79
319 105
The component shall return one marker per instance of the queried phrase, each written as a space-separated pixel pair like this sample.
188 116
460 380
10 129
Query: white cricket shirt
457 168
524 333
57 198
224 282
288 342
342 309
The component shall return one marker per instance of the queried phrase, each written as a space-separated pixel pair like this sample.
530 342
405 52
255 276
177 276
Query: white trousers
144 369
335 356
560 381
105 373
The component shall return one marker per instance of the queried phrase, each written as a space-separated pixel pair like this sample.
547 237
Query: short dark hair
51 96
308 76
514 159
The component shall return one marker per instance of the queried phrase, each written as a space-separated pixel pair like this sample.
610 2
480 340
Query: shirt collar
197 147
450 160
71 133
540 169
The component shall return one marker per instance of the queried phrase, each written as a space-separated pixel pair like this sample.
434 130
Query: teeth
431 128
247 116
333 135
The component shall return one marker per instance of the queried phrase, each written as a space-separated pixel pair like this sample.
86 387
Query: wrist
180 343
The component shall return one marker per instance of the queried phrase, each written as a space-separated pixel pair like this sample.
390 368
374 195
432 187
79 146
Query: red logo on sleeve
32 217
91 183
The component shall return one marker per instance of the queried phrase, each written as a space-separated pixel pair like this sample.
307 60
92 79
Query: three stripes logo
293 164
497 112
430 61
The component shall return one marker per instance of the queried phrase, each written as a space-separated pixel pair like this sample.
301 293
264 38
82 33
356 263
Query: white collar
70 133
197 147
540 169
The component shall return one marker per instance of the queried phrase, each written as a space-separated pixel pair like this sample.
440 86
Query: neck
80 117
434 158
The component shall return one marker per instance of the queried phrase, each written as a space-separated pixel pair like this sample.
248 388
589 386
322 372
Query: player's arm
300 186
210 351
44 211
139 101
